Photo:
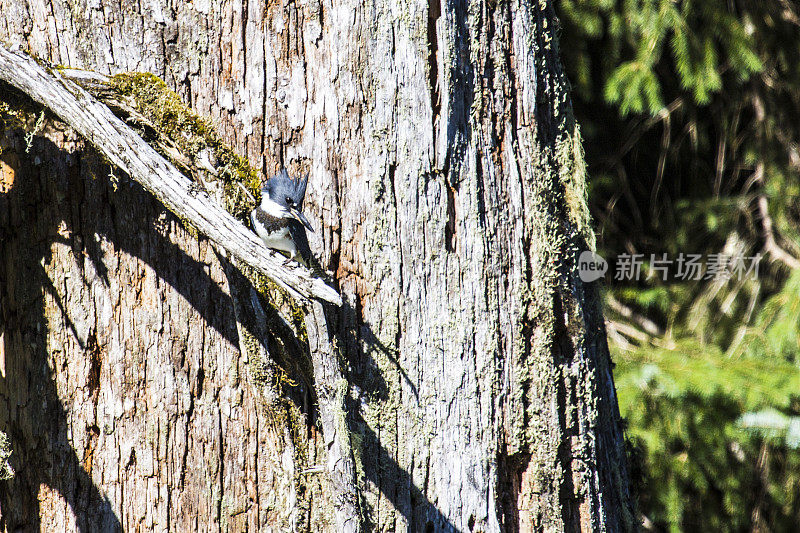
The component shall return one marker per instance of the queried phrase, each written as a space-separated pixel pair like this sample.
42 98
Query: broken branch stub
127 150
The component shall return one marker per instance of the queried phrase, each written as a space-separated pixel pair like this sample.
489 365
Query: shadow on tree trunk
62 197
34 415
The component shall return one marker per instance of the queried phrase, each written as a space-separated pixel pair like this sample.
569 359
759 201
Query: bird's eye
289 201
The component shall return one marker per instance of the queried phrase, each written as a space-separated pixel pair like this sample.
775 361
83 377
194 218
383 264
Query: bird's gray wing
298 234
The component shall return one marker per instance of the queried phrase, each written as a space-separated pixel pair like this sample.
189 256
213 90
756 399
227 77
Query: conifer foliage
689 113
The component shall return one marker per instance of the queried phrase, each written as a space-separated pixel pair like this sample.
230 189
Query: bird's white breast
277 240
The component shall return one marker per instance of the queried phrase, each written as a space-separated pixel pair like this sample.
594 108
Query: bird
278 220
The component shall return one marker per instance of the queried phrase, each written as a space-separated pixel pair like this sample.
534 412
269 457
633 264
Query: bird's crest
282 185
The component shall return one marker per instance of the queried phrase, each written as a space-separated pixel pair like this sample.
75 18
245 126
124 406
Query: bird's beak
301 217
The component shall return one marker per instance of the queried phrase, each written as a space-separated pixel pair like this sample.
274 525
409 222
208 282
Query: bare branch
126 149
771 245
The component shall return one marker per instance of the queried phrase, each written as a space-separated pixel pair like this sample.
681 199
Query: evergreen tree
688 112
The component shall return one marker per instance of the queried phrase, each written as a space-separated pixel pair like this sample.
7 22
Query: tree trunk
447 182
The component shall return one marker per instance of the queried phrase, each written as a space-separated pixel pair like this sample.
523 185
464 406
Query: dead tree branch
126 149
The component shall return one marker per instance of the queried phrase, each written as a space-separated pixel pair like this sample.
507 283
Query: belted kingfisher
278 220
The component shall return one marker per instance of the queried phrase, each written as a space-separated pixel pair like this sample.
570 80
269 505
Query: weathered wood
448 183
123 147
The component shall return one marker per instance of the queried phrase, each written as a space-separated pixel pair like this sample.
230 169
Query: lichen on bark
6 471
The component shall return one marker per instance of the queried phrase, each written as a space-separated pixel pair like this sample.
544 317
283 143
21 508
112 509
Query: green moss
33 132
190 133
189 227
280 299
263 373
22 113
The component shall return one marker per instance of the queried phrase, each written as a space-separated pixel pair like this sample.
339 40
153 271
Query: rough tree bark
447 177
199 204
